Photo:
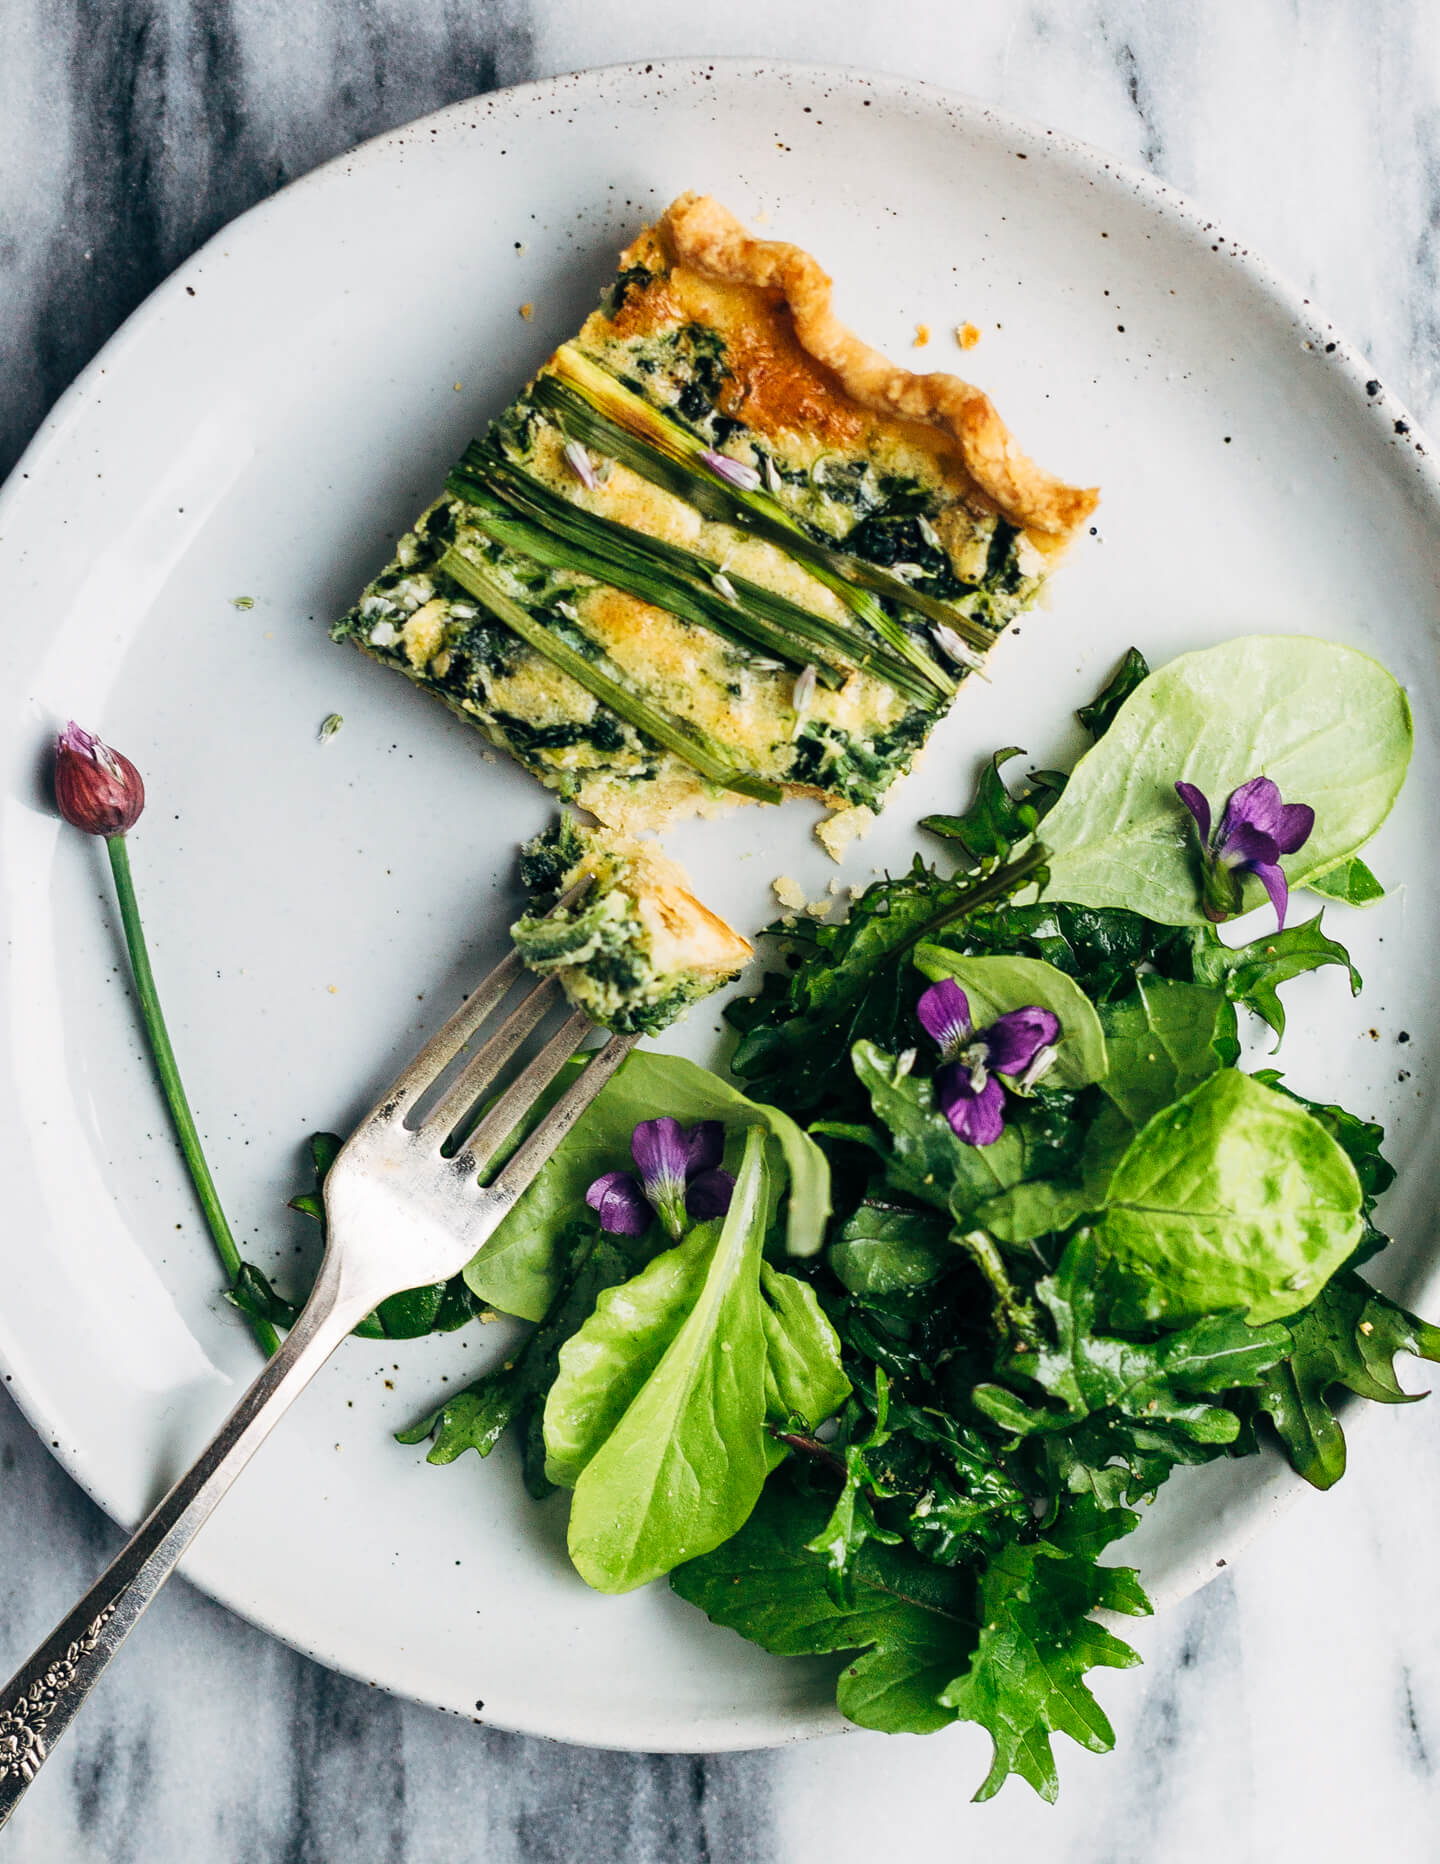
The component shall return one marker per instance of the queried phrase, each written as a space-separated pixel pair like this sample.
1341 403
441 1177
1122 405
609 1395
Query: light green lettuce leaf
657 1416
1327 723
517 1270
1235 1198
1164 1039
605 1363
803 1375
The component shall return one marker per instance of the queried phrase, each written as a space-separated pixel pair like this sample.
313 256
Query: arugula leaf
1117 1460
1251 974
852 1523
1163 1040
1026 1680
927 1160
1348 1338
913 1622
1154 1384
440 1307
996 820
1234 1198
1351 883
995 985
952 1526
1103 948
517 1271
476 1418
854 982
254 1294
1328 723
1099 715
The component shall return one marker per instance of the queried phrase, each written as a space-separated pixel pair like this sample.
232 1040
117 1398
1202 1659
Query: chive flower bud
96 788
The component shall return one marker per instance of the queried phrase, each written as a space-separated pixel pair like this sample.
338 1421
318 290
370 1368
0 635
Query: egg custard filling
718 548
636 949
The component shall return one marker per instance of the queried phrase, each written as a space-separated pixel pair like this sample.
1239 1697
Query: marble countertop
1292 1709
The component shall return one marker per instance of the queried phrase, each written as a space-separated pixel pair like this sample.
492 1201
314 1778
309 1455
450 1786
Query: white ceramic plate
263 427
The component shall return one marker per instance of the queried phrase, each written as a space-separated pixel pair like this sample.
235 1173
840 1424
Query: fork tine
562 1116
451 1037
522 1093
448 1040
488 1060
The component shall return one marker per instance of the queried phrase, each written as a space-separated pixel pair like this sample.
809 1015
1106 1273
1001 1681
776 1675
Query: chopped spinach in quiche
718 546
637 948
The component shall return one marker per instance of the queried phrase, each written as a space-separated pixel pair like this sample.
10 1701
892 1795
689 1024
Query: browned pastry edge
707 238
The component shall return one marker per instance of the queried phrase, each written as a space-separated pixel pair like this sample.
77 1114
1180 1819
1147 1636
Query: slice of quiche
637 948
718 547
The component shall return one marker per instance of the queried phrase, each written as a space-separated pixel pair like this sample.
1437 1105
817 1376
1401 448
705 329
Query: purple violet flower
680 1177
734 472
1020 1044
1255 830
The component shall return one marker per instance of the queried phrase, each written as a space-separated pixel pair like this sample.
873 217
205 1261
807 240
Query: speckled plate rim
1033 140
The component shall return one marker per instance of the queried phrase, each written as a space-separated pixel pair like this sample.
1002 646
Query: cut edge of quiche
719 547
637 948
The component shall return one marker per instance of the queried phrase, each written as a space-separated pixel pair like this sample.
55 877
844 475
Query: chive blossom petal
734 472
578 460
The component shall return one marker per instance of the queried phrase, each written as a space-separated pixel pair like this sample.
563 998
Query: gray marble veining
1292 1710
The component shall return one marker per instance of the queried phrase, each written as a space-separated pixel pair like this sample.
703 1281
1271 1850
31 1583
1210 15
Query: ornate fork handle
402 1209
40 1701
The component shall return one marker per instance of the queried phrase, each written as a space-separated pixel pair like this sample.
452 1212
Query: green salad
876 1350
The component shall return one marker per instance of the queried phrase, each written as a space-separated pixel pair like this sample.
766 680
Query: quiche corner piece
719 548
636 948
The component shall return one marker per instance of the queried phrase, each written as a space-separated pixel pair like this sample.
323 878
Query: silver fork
401 1211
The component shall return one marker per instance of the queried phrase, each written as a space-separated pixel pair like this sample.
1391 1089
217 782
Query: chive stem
173 1088
855 580
843 643
558 551
609 686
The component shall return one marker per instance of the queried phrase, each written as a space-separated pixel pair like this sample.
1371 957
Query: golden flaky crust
706 237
